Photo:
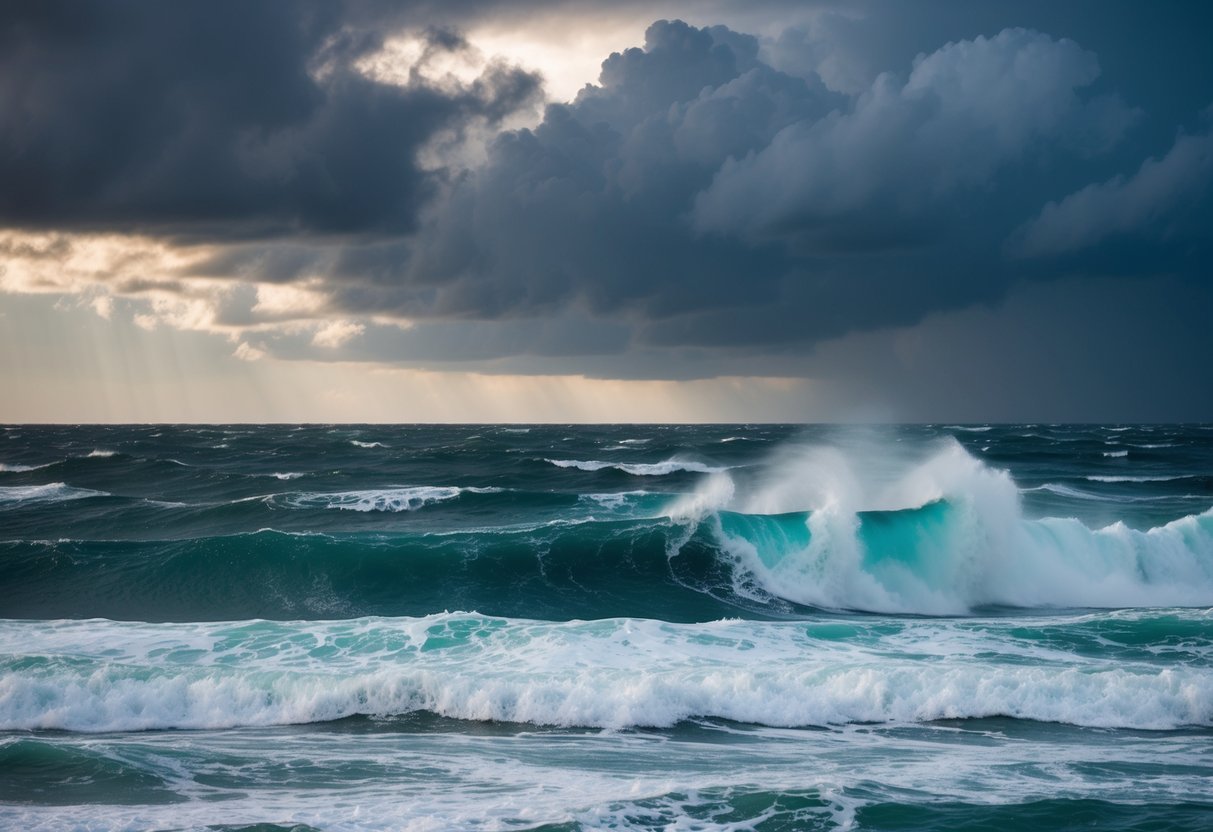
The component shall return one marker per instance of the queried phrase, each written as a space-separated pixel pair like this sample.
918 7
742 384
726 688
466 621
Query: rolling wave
615 673
939 559
940 535
942 559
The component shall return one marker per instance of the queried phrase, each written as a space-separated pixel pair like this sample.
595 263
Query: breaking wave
616 673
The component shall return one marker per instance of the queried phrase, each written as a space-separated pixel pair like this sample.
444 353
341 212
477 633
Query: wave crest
382 499
640 469
643 673
939 536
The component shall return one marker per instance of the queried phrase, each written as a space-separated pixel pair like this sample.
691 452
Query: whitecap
393 499
18 469
1066 491
50 493
613 500
615 673
639 469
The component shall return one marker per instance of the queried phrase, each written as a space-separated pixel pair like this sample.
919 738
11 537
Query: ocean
671 627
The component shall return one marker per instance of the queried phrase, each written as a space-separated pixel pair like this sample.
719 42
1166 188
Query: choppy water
563 628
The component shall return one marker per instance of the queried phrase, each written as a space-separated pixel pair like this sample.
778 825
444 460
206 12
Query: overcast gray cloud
220 120
714 200
963 113
731 192
1163 198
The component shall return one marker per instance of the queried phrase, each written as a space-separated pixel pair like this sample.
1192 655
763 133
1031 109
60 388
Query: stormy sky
573 211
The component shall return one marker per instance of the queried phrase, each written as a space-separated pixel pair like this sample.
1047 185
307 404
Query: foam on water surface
112 676
956 626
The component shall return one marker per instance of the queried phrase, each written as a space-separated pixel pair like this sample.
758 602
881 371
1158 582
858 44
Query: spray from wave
870 529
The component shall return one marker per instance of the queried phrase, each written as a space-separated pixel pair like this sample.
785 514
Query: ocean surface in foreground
725 627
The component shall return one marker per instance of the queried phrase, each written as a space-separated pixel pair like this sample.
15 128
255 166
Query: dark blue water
623 627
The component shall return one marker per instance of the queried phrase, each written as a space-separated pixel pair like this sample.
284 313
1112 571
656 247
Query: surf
100 676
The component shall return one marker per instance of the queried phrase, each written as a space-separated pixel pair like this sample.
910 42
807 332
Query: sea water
723 627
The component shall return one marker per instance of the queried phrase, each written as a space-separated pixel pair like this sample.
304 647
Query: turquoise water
565 628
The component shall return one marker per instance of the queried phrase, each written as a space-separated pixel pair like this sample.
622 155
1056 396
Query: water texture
722 627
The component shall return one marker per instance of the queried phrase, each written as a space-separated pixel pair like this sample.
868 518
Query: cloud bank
349 181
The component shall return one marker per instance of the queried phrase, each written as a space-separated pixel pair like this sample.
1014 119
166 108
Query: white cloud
336 334
245 352
103 305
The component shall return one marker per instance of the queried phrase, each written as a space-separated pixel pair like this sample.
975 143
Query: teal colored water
606 627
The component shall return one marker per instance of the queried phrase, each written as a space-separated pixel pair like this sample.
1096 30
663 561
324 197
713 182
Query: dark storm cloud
715 200
590 207
219 119
1167 199
866 165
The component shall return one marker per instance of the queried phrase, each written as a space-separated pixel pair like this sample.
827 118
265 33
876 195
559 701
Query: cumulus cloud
335 334
1156 199
222 120
290 177
964 112
711 199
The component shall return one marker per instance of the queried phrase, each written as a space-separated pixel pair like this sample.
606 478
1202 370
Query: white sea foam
605 780
1066 491
367 444
98 453
615 673
290 475
50 493
17 469
613 500
1116 453
393 499
639 469
1103 478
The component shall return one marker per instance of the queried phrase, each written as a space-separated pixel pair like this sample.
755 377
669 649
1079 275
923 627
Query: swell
34 771
558 571
942 558
33 512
